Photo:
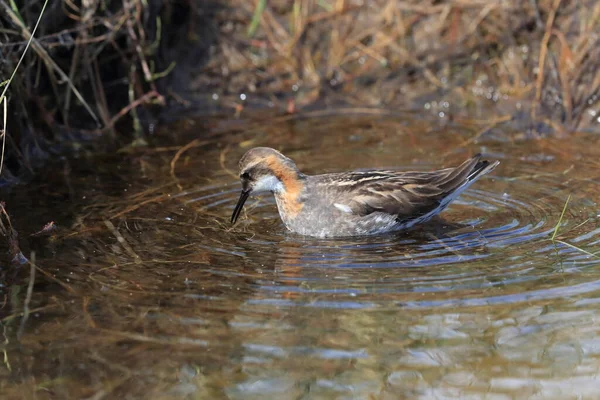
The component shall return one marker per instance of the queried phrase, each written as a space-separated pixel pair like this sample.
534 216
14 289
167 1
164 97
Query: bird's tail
482 167
465 174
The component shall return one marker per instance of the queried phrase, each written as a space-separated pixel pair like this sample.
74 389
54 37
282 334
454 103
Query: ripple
495 236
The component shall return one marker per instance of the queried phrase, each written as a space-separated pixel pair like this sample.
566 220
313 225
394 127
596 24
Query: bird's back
365 202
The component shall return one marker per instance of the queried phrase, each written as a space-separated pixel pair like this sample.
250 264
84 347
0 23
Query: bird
354 203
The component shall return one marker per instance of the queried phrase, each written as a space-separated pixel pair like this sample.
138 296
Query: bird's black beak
240 204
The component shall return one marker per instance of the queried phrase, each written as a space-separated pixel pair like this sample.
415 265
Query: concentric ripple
495 237
153 287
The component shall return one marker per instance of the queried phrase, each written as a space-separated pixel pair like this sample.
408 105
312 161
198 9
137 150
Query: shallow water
167 300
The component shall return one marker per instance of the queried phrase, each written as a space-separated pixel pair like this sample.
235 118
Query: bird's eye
245 176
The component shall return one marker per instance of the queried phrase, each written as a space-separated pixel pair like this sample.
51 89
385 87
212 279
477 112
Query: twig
28 296
35 310
134 104
332 13
88 317
50 63
565 65
193 143
222 163
481 132
9 11
163 340
542 60
6 229
7 83
122 241
4 352
134 207
111 385
482 15
4 101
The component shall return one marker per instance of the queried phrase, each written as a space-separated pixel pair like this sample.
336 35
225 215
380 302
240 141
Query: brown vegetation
405 52
91 64
87 66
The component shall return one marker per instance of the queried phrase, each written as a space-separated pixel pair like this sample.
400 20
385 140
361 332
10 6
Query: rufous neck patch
293 186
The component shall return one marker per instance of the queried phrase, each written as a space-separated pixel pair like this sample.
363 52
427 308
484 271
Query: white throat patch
267 183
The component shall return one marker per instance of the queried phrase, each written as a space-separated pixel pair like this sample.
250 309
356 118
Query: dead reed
97 69
542 54
88 66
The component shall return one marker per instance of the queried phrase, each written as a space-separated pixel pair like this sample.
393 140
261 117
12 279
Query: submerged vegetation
125 278
142 288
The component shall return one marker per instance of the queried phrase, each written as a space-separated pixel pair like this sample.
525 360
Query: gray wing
409 194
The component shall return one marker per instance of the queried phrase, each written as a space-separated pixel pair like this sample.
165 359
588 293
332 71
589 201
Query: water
173 302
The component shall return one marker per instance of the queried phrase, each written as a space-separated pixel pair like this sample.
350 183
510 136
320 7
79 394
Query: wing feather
408 194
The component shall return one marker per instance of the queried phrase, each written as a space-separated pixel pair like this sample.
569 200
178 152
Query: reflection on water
479 304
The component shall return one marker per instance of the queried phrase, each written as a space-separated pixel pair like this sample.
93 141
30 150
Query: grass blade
577 248
24 52
260 7
562 214
43 54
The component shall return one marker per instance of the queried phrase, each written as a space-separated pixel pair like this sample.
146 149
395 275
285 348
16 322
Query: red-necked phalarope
352 203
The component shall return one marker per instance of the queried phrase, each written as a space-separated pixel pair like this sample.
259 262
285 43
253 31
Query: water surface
149 292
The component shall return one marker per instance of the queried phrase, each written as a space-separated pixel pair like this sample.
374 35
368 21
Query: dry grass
96 69
88 65
400 52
